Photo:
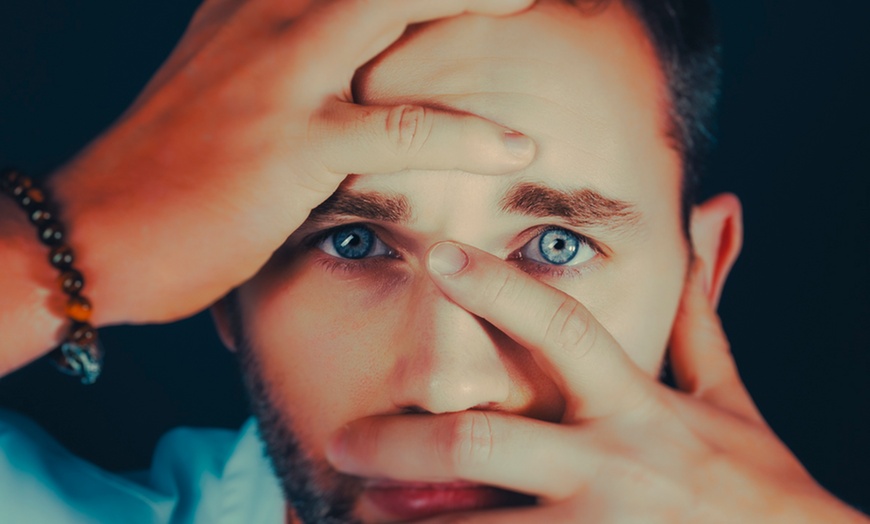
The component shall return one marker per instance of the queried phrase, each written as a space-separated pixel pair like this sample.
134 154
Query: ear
220 314
717 236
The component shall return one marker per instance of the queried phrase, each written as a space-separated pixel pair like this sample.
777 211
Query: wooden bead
78 308
82 333
51 233
71 282
61 257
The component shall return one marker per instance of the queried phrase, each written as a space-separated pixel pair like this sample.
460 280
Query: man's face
334 338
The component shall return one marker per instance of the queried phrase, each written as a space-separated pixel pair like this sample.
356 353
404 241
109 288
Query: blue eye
353 242
558 247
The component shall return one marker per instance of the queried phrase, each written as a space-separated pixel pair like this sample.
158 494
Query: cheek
642 307
321 340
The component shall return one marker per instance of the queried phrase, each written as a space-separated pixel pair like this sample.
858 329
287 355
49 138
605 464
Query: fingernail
447 259
518 144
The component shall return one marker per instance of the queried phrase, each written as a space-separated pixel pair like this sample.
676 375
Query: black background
795 146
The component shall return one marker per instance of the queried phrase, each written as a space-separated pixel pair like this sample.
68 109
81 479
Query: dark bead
61 257
51 233
39 214
8 179
71 282
21 185
82 333
31 196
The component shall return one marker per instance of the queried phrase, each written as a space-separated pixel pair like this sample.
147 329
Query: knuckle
408 128
468 442
569 330
501 286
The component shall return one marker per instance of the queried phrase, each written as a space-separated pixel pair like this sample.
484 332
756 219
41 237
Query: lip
417 500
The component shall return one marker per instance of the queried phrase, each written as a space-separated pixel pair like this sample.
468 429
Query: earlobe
717 237
220 314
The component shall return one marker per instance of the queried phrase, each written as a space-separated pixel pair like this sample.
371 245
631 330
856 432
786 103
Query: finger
590 368
700 354
511 452
383 139
373 25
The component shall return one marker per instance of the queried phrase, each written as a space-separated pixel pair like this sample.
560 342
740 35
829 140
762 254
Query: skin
236 138
346 351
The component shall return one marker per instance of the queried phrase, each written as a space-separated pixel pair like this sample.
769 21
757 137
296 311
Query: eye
353 242
558 247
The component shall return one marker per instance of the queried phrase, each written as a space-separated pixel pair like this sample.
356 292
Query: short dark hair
686 40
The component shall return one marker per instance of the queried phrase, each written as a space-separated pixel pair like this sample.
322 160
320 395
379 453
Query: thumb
701 355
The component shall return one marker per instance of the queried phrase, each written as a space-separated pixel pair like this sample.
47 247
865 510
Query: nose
449 361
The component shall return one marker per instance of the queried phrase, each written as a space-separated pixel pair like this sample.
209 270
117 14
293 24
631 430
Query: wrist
31 307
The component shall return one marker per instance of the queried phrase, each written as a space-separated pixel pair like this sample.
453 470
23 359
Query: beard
316 491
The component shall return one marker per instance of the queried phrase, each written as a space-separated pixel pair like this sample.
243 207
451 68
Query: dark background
795 145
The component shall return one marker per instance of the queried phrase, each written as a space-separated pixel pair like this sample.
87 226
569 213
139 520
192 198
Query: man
397 376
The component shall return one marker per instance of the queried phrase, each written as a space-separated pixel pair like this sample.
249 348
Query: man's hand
628 448
247 127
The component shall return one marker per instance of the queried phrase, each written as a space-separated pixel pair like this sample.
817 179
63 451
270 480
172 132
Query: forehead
586 87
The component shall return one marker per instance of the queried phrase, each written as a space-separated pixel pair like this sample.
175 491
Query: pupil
351 241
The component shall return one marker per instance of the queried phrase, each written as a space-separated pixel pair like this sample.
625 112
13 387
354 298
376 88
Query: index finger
364 28
594 374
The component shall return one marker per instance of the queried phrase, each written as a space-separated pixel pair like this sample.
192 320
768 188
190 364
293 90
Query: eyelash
333 263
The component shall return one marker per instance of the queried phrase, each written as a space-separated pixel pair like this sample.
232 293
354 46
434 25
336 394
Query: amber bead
51 233
61 257
78 308
71 282
31 196
82 333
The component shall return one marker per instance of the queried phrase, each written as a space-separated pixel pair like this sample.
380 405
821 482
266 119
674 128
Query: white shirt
211 476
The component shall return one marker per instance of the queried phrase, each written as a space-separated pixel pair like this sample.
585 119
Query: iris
558 246
353 242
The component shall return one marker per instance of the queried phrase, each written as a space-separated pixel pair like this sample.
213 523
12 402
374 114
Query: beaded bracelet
79 354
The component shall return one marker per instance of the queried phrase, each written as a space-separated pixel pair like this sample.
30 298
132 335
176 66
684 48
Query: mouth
418 500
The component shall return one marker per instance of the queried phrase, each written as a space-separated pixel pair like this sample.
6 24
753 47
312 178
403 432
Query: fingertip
446 259
519 146
336 447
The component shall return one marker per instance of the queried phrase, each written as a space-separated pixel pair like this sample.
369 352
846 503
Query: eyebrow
582 208
368 206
